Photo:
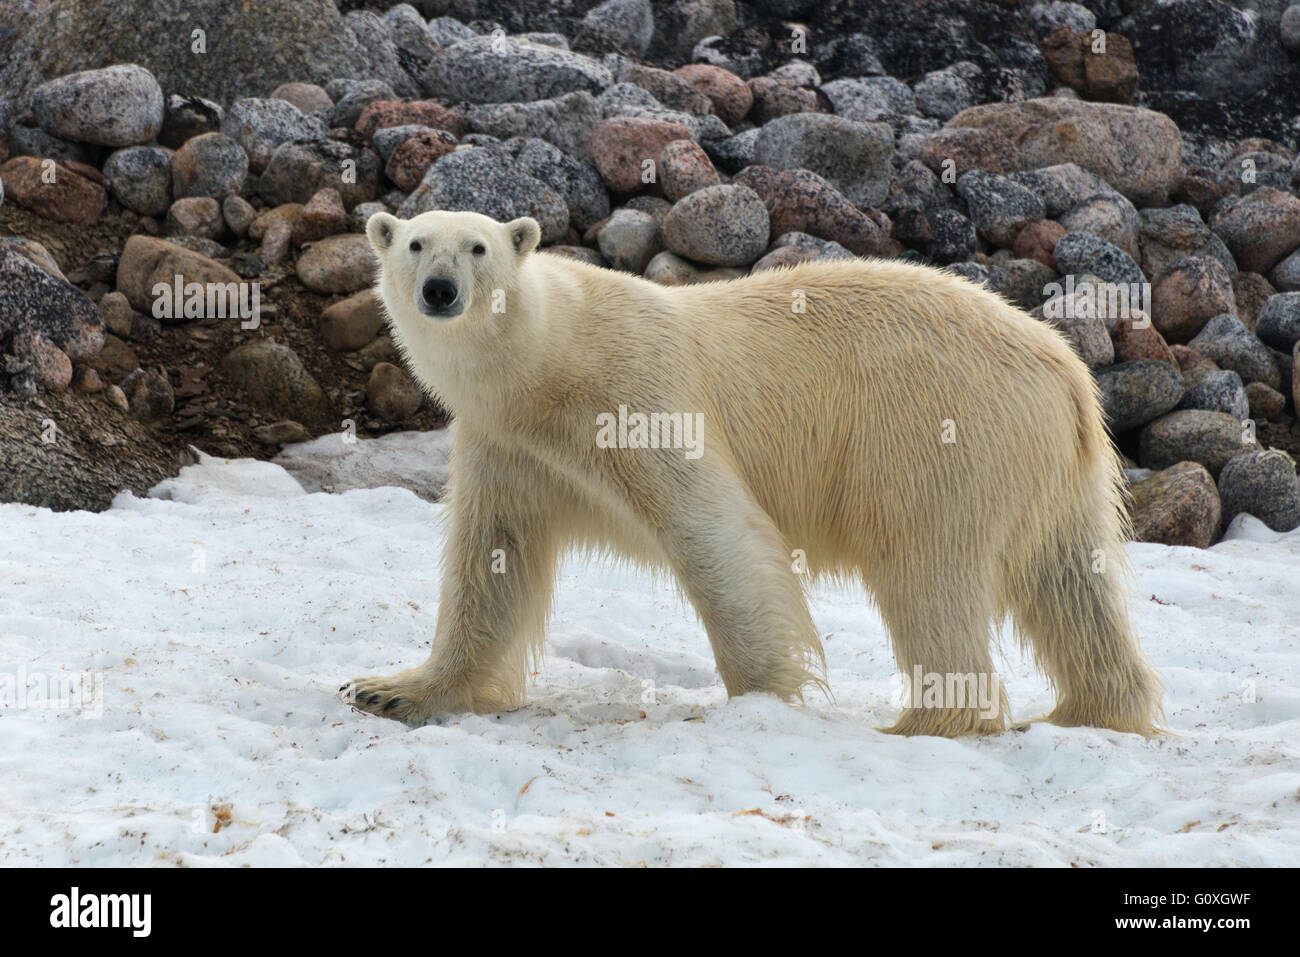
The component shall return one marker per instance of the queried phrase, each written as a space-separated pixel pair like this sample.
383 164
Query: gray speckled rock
1192 435
873 99
261 125
999 207
251 47
952 236
719 225
300 169
1263 484
1232 346
853 157
34 300
116 106
211 164
630 239
1080 253
140 178
483 181
1134 393
353 98
942 94
506 69
735 152
574 179
1064 186
374 36
565 121
627 25
1278 323
1215 390
388 138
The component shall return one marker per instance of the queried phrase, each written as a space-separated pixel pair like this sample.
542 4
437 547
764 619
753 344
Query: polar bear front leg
734 565
499 575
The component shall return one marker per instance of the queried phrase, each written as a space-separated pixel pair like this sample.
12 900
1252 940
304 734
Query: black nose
439 293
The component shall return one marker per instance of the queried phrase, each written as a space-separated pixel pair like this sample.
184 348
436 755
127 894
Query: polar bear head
441 266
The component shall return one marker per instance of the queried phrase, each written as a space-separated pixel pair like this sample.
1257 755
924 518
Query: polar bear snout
440 298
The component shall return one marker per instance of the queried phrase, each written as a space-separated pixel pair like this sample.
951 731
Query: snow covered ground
218 617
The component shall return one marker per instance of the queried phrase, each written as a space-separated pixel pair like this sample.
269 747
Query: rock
575 180
393 395
275 243
1137 338
238 214
89 381
1024 282
352 323
352 100
1251 291
140 178
323 215
149 395
669 269
719 225
630 239
338 264
1278 323
273 378
801 201
117 397
1259 228
115 361
952 236
284 432
118 314
1265 403
487 69
667 88
1192 435
1108 217
942 94
625 148
565 121
617 25
1216 390
870 99
412 159
579 253
381 114
774 97
1099 68
999 207
1169 234
1062 187
1135 393
195 216
853 157
300 169
146 262
684 167
1037 241
115 106
53 191
34 300
729 94
1079 253
260 126
250 48
1137 151
211 164
955 151
50 366
1187 294
1232 346
485 182
307 97
1262 484
386 64
1176 506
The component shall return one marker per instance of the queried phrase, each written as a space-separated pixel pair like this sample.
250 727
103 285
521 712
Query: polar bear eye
479 249
415 247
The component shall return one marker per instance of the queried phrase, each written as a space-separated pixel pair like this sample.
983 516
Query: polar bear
870 419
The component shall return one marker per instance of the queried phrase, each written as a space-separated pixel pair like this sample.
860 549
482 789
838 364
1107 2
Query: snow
222 612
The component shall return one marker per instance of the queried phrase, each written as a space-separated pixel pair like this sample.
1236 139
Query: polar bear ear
524 234
381 228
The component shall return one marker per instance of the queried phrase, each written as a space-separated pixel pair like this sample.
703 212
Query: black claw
391 703
373 698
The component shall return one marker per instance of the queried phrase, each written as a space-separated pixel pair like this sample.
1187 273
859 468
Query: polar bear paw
408 696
